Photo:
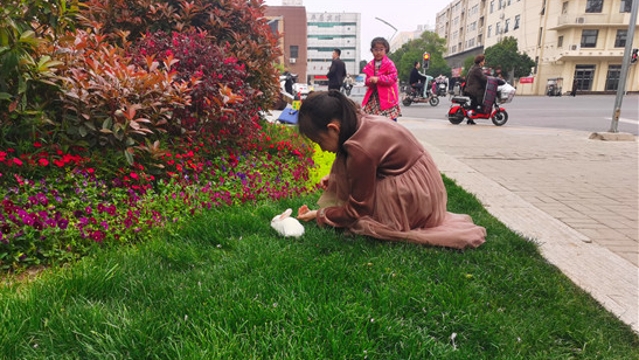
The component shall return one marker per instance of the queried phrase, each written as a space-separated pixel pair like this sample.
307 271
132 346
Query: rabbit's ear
286 214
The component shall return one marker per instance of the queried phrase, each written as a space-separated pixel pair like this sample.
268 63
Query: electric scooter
460 108
411 96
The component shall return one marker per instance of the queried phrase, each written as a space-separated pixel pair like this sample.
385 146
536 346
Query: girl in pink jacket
382 93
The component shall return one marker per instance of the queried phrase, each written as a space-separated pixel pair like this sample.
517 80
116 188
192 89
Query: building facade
406 36
328 31
571 40
290 22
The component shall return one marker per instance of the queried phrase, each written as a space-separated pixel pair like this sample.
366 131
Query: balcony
575 52
591 20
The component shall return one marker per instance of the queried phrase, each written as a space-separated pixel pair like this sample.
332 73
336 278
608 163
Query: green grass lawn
227 287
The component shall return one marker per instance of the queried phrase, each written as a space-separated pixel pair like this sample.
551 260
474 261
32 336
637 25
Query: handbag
288 115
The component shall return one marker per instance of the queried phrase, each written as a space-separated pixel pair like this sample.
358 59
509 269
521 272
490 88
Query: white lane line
627 121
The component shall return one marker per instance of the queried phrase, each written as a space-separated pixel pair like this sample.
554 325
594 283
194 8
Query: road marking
627 121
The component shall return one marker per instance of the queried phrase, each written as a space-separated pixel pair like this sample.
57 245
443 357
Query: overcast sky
404 15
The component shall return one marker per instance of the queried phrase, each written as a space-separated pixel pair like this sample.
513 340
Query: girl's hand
374 79
306 215
324 182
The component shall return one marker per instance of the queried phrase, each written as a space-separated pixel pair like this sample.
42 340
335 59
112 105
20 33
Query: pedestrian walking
337 71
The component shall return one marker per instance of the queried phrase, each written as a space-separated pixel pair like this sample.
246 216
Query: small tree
413 50
505 54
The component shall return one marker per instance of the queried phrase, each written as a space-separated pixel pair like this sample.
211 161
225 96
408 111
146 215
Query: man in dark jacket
476 84
417 80
337 71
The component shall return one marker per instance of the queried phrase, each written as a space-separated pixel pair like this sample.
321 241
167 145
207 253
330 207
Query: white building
327 31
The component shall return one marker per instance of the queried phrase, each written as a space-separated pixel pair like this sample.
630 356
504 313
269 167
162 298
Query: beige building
582 40
403 37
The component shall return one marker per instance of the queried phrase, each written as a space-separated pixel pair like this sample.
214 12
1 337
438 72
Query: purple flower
28 220
63 223
88 210
97 236
42 199
111 210
38 225
104 225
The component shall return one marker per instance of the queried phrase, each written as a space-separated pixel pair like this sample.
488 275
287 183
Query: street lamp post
387 23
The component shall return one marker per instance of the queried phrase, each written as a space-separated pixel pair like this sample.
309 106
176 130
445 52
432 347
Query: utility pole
621 89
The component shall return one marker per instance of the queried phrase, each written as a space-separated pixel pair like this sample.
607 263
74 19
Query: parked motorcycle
346 88
460 107
441 89
411 96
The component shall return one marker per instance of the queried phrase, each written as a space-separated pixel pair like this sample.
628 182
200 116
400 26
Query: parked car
302 89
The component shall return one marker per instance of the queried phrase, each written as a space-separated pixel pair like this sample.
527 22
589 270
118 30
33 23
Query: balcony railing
589 20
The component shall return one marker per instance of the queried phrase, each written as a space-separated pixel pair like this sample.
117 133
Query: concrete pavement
578 198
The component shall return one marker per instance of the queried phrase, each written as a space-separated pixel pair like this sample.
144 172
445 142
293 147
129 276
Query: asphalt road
586 112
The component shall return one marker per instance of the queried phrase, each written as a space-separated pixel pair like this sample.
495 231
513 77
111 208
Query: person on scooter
416 79
476 85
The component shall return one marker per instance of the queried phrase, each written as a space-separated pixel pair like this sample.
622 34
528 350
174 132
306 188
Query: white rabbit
286 225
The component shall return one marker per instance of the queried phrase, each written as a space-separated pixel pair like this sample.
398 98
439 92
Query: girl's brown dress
385 185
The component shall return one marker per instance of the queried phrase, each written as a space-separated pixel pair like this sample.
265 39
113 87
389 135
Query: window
594 6
620 39
490 30
497 28
625 6
294 50
541 32
584 75
517 18
589 38
612 78
560 41
506 25
492 6
564 7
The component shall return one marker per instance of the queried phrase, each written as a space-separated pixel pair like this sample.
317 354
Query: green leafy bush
27 67
237 26
110 101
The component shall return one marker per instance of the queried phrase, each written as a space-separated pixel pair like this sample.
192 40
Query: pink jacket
387 85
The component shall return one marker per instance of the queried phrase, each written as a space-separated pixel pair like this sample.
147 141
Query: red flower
58 162
17 161
133 175
43 162
37 144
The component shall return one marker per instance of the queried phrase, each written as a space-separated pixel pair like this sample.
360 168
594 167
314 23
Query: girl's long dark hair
322 107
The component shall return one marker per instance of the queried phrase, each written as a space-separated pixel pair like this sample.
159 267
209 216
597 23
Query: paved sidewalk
578 198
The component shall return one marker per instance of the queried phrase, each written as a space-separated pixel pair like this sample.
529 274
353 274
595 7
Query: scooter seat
460 99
